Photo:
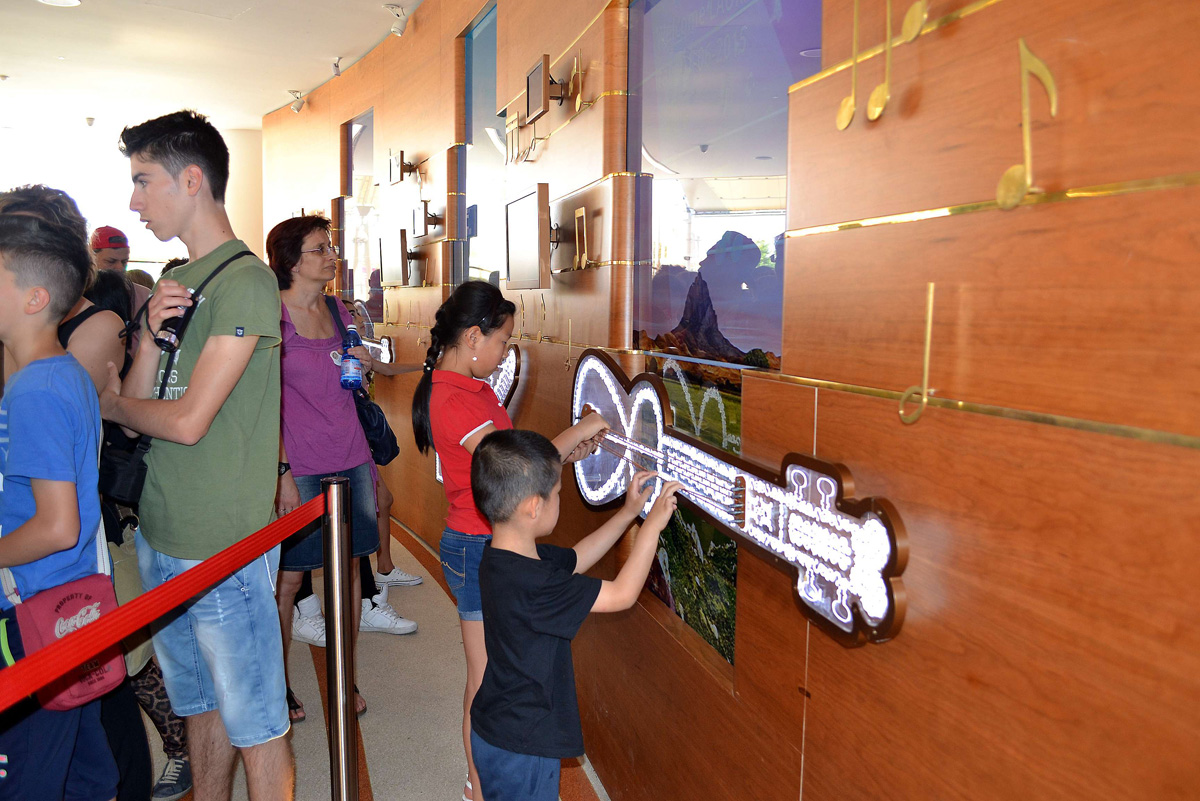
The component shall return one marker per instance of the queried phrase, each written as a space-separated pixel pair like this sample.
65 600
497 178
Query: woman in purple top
320 435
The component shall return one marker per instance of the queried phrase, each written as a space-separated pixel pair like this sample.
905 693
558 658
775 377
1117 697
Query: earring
474 358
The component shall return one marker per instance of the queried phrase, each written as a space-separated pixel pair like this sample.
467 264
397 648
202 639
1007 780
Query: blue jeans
304 551
460 554
508 776
223 650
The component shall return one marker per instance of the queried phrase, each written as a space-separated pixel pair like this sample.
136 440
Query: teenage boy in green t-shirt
210 471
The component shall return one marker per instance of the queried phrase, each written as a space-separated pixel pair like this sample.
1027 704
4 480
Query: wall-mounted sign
848 553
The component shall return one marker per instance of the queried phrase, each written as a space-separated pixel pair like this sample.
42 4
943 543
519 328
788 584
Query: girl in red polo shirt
453 409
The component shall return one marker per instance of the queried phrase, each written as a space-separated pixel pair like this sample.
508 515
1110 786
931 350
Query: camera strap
144 444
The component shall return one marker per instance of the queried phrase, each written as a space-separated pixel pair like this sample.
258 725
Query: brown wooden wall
1050 648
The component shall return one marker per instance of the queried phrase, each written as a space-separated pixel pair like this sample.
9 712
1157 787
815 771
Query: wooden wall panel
953 125
528 28
1050 648
570 158
772 633
1048 308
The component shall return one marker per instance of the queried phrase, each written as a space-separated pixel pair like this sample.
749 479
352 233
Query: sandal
294 707
362 711
468 793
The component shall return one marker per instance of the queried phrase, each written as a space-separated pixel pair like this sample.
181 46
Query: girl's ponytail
472 303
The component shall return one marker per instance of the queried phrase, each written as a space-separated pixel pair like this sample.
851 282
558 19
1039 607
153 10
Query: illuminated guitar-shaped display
848 553
503 381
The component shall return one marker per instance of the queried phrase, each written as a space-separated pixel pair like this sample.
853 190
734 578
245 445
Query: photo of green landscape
695 575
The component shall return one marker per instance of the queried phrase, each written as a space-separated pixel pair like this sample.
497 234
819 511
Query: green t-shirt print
201 498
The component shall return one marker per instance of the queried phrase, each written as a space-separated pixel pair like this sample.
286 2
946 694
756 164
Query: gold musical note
914 21
922 390
581 245
880 95
575 83
1017 180
846 110
567 364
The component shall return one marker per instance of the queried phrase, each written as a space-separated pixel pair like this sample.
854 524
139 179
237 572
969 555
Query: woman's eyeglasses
324 250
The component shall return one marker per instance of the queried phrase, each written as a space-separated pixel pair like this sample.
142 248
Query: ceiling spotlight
60 3
337 66
299 102
401 18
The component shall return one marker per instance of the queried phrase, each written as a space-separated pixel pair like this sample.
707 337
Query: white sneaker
309 628
378 615
397 577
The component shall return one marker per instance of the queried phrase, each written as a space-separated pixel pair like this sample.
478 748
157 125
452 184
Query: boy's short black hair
40 253
509 466
177 140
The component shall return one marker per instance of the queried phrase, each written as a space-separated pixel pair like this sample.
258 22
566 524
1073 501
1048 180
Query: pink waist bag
51 615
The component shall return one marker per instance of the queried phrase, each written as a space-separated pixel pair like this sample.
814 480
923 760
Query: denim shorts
460 554
52 754
304 550
222 650
508 776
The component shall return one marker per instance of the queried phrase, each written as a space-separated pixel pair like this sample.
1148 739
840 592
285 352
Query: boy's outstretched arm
590 549
622 592
54 526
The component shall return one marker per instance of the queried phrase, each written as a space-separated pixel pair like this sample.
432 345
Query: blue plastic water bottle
351 366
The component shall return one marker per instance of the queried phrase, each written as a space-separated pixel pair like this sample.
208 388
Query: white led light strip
848 554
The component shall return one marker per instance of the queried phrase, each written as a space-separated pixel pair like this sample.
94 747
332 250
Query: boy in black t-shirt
525 717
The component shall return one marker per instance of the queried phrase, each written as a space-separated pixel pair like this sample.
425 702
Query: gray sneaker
175 781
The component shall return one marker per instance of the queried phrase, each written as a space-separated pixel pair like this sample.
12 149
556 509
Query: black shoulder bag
380 436
122 468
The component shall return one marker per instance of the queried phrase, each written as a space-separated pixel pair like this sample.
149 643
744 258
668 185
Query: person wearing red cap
111 248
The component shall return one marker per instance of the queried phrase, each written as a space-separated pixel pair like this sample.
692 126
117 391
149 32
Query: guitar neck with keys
848 553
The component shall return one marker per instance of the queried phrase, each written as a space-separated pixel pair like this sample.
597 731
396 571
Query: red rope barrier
43 667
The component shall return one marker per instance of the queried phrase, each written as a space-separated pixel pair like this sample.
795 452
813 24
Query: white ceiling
125 61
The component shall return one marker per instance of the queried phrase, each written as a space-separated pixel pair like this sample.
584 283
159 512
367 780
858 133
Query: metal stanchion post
339 650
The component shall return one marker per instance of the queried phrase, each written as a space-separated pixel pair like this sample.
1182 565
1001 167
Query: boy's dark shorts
51 755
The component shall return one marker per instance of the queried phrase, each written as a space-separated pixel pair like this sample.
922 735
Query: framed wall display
540 89
529 237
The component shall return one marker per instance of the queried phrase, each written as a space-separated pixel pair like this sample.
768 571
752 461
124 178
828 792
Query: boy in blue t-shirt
49 505
525 717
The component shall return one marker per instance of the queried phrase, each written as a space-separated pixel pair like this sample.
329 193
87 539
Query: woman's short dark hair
111 290
472 303
285 242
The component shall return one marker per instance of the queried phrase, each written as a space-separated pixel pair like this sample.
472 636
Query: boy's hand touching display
663 508
640 490
622 592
